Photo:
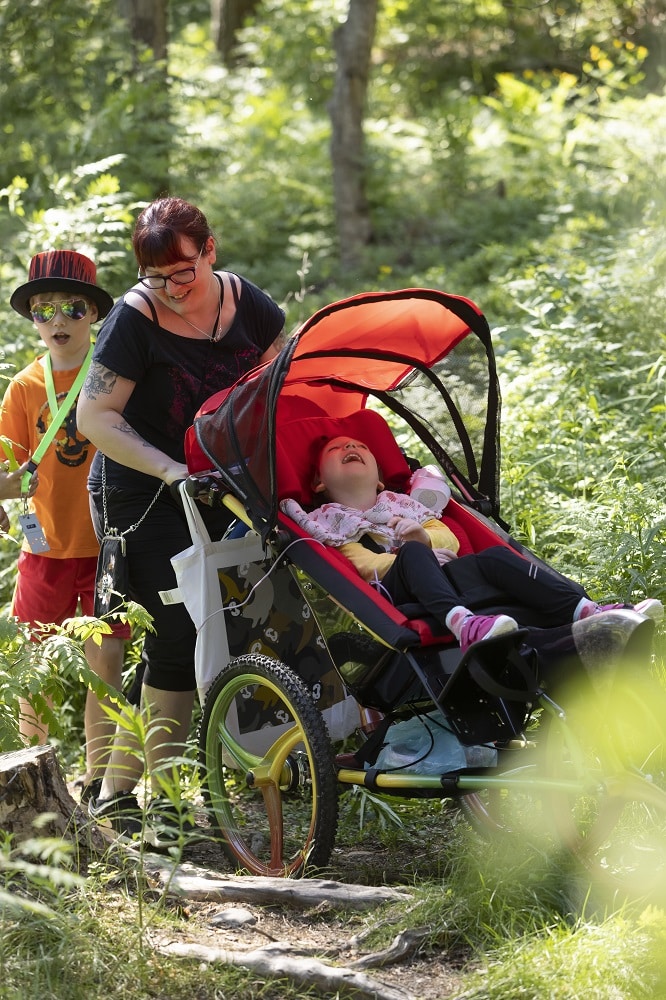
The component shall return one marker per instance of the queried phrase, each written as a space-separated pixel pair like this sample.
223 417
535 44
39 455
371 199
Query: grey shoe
122 812
168 825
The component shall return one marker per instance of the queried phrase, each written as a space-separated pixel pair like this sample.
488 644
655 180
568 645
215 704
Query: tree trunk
147 29
147 20
32 788
353 45
227 17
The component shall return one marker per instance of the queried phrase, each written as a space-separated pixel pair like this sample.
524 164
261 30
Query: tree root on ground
280 959
403 945
277 961
202 885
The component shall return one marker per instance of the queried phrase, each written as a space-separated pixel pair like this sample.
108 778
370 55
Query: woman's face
184 284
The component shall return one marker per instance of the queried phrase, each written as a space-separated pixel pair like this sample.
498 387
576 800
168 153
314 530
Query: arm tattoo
280 340
100 381
126 428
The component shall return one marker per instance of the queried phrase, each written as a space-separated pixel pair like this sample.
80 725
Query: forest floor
320 930
338 936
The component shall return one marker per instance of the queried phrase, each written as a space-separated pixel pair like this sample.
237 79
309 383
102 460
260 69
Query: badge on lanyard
34 533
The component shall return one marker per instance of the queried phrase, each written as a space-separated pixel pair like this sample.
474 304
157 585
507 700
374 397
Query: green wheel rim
275 807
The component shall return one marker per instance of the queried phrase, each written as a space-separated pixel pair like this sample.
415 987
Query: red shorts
50 590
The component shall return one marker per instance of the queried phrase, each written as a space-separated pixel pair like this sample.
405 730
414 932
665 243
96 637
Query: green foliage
598 962
98 88
47 668
364 808
59 935
34 670
514 155
582 349
286 30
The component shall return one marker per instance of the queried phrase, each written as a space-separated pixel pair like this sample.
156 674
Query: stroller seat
366 635
297 448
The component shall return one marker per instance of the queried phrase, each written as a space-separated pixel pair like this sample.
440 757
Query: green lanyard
58 413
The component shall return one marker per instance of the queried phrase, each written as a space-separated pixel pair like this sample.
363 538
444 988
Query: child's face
63 334
344 461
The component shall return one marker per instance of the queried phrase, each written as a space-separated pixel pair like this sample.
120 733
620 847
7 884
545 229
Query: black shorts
168 652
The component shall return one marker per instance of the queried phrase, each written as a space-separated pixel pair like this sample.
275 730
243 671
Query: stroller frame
599 775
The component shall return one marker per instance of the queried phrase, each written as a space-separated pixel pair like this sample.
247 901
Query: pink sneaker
476 628
651 608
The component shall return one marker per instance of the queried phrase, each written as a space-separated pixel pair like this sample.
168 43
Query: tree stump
35 801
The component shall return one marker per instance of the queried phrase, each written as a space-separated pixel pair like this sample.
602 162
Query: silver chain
132 527
217 326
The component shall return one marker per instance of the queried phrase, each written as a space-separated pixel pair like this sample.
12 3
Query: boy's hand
10 483
406 529
4 520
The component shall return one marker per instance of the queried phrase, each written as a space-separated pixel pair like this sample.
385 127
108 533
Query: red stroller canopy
424 354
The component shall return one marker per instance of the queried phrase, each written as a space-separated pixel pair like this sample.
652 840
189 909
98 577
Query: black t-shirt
175 375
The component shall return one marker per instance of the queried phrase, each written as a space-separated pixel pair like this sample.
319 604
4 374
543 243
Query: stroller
331 656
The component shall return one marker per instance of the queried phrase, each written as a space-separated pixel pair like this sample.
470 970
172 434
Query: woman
181 333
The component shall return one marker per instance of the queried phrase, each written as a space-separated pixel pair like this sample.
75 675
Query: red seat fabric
301 438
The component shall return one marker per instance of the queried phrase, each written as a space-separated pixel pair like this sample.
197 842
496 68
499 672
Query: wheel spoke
273 805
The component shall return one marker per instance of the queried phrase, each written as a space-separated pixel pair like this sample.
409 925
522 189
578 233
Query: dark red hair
161 228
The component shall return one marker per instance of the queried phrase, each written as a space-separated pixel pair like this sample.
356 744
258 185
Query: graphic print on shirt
70 447
189 392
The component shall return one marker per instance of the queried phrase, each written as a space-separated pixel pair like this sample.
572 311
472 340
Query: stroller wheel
510 809
270 784
296 773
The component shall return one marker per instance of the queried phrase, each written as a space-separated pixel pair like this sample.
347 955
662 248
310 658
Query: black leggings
496 578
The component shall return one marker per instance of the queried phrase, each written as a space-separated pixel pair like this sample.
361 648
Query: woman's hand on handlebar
175 473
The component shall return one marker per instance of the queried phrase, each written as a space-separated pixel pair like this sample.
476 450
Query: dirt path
405 964
321 931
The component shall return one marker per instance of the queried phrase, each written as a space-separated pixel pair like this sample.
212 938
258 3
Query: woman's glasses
183 277
43 312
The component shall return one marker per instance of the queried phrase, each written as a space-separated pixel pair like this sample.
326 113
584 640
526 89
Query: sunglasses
43 312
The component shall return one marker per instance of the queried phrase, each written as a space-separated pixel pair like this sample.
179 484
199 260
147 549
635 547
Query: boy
411 550
58 560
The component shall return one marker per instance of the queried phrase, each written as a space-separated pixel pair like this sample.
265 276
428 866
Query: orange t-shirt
61 500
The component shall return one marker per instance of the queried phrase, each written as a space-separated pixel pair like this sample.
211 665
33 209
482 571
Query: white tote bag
251 619
196 570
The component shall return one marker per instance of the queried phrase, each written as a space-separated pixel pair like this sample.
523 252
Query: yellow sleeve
376 564
440 536
366 561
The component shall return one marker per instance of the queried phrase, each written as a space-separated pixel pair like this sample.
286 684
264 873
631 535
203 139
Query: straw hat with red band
61 271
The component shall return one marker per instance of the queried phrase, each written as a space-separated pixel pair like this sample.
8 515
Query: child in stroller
401 547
